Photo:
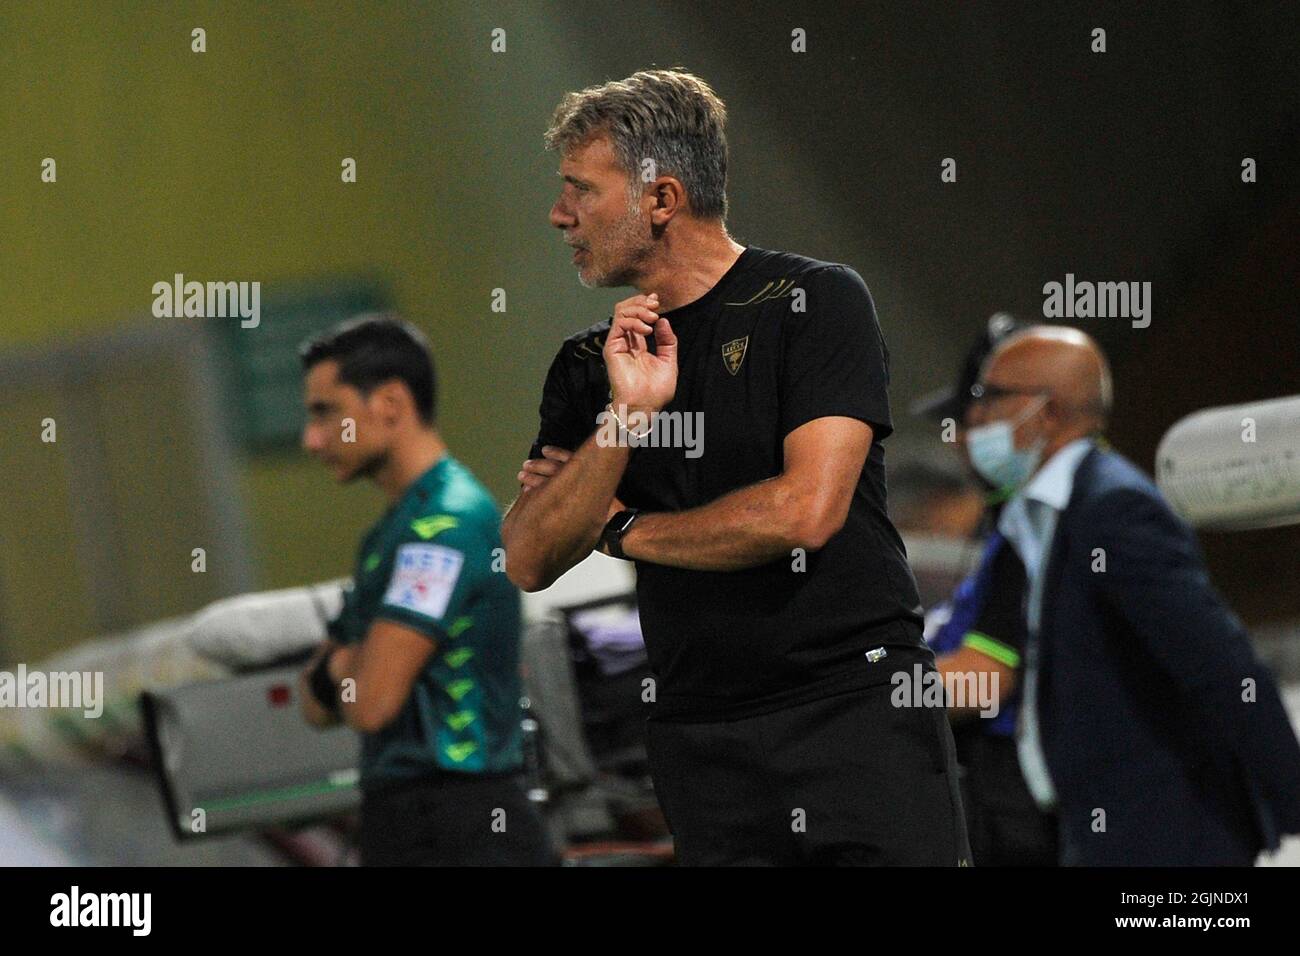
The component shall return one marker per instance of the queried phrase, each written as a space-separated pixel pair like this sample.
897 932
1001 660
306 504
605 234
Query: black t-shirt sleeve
999 629
563 421
834 358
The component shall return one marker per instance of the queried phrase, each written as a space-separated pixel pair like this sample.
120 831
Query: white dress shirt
1028 521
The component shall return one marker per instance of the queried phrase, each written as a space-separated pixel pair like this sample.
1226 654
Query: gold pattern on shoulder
775 289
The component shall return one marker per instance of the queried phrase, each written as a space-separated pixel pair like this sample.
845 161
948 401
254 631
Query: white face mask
993 453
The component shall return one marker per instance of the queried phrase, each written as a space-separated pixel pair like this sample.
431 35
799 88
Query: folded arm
800 508
552 526
382 670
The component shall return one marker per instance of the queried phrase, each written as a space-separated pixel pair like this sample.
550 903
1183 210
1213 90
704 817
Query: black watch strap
615 528
323 687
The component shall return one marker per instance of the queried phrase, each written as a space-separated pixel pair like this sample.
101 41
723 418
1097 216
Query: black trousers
1006 827
846 780
453 820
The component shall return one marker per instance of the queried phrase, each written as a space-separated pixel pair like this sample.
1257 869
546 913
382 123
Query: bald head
1053 382
1061 361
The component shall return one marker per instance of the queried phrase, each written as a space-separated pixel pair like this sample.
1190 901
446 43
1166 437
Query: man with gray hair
775 597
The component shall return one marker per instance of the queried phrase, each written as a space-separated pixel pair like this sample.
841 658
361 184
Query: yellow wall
226 165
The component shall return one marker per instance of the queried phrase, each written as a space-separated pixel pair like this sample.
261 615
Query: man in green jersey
423 659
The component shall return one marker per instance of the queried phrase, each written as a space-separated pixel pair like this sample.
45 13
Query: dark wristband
323 687
615 528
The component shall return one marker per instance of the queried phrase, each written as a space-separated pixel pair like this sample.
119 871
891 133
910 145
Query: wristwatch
615 528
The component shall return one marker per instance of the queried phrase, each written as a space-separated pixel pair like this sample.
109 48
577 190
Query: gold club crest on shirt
733 353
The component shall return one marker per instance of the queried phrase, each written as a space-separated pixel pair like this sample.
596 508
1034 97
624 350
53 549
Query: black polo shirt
779 341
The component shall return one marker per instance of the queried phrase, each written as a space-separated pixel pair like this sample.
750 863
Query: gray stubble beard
625 234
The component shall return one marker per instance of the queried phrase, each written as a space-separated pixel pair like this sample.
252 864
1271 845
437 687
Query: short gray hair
670 116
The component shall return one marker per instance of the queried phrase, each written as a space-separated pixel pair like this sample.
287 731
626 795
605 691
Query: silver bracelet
613 414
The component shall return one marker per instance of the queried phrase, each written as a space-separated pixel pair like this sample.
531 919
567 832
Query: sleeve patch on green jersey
424 579
433 525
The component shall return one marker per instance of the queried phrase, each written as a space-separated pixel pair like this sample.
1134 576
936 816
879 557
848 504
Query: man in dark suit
1148 723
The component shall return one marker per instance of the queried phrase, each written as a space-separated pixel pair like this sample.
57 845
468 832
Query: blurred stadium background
225 165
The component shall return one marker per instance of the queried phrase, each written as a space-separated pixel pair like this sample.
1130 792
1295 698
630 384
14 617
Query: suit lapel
1060 544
